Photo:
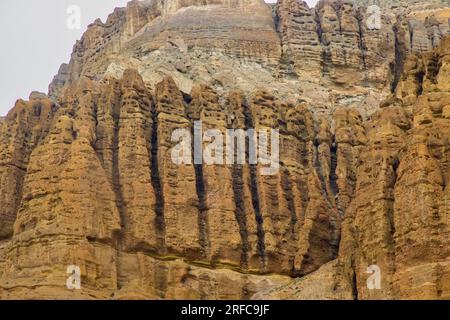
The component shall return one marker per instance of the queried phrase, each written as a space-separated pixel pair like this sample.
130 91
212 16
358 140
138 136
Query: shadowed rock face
87 177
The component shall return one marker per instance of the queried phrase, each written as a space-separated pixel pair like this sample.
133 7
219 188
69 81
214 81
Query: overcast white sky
35 41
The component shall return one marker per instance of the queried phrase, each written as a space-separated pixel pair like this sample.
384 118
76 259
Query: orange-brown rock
101 191
88 178
398 218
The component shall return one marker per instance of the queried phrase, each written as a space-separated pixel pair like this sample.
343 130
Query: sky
36 39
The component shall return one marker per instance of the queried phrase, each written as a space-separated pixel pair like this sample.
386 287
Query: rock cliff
87 176
399 216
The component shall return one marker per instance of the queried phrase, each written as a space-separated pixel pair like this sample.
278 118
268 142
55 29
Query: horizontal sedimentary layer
88 176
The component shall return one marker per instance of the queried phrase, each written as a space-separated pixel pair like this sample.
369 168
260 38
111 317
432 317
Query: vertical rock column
22 129
180 204
300 36
219 229
134 158
373 205
68 214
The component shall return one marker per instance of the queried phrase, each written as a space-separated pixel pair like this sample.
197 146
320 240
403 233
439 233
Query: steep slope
87 176
399 217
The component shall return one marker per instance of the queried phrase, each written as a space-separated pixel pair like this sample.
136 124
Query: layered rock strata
88 179
398 219
102 192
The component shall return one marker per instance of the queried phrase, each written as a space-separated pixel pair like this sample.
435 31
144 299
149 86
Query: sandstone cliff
399 216
87 179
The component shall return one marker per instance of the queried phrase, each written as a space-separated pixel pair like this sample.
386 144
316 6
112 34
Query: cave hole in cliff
187 98
419 77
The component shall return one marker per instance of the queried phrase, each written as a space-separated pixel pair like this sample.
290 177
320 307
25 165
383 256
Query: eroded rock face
21 131
101 191
88 176
336 43
329 55
398 218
